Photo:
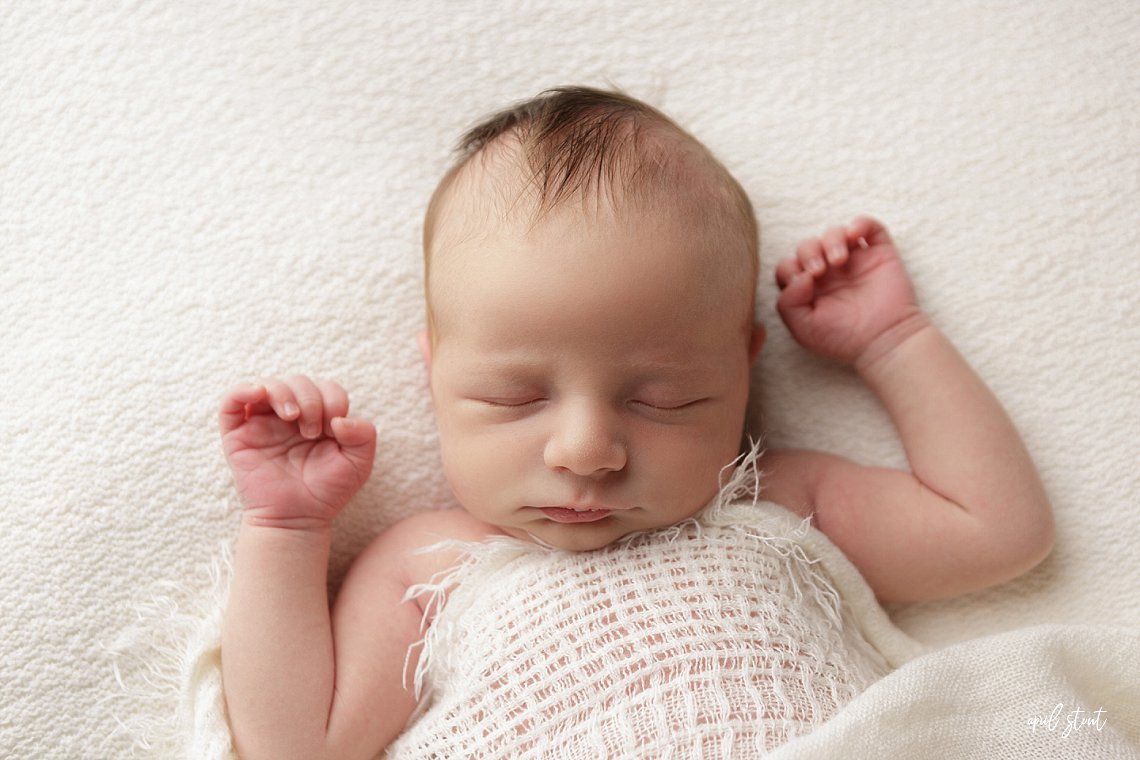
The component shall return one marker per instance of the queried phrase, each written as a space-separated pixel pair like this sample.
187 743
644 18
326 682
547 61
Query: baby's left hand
842 291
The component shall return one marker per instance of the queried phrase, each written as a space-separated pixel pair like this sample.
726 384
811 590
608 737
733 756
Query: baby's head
590 272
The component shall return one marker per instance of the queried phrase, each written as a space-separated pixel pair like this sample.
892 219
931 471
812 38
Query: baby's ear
424 342
757 341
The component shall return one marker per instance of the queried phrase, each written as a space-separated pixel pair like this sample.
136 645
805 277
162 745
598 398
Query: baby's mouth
575 514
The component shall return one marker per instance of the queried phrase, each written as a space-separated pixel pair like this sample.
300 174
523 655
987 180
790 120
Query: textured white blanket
194 193
1045 692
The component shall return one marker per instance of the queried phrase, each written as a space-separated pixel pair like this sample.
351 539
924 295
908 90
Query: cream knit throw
721 637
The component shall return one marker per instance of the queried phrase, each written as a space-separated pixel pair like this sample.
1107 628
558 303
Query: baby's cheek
471 467
690 468
456 463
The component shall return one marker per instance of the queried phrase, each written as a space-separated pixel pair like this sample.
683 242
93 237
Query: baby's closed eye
667 404
511 401
668 410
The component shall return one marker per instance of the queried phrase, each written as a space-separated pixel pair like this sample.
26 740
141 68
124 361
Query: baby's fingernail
816 265
835 254
290 409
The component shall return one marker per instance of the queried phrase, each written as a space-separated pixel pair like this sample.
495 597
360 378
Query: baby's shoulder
790 478
417 547
440 525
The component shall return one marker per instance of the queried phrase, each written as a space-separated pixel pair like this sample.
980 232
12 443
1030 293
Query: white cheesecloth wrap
721 637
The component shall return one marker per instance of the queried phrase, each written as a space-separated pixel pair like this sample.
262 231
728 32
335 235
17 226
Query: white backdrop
194 193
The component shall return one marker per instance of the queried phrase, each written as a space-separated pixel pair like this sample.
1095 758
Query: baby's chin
574 539
577 537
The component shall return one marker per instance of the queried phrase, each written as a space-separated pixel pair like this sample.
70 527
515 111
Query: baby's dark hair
579 139
590 144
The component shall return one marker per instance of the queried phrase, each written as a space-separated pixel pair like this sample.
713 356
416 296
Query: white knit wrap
721 637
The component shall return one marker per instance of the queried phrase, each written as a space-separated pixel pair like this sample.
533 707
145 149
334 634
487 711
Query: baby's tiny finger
308 397
281 400
245 394
335 400
350 431
786 270
810 254
236 404
868 229
357 440
835 243
797 294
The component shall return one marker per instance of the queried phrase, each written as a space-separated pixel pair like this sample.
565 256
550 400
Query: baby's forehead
505 185
500 218
503 194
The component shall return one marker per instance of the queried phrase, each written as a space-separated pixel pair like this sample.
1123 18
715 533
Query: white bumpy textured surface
199 192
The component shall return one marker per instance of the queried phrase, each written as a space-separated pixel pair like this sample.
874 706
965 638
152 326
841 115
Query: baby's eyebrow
524 367
491 365
665 367
670 369
498 367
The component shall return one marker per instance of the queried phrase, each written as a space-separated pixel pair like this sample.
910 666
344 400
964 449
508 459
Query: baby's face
589 377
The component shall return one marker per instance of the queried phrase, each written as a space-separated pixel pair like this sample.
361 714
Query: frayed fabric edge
482 556
847 588
167 662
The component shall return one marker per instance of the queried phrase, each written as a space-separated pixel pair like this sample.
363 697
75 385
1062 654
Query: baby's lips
583 507
569 515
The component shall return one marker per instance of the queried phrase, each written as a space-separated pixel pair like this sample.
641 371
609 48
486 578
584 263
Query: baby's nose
585 440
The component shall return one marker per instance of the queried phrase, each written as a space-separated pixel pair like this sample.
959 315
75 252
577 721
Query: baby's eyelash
670 407
510 403
521 402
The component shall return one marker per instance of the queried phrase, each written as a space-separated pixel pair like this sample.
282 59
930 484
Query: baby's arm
300 683
972 512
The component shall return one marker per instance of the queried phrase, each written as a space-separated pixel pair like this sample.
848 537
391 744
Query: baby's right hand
296 457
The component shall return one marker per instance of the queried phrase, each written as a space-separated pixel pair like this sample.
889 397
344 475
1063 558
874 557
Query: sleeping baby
614 584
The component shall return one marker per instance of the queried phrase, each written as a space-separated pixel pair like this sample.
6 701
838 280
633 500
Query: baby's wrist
888 341
294 523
